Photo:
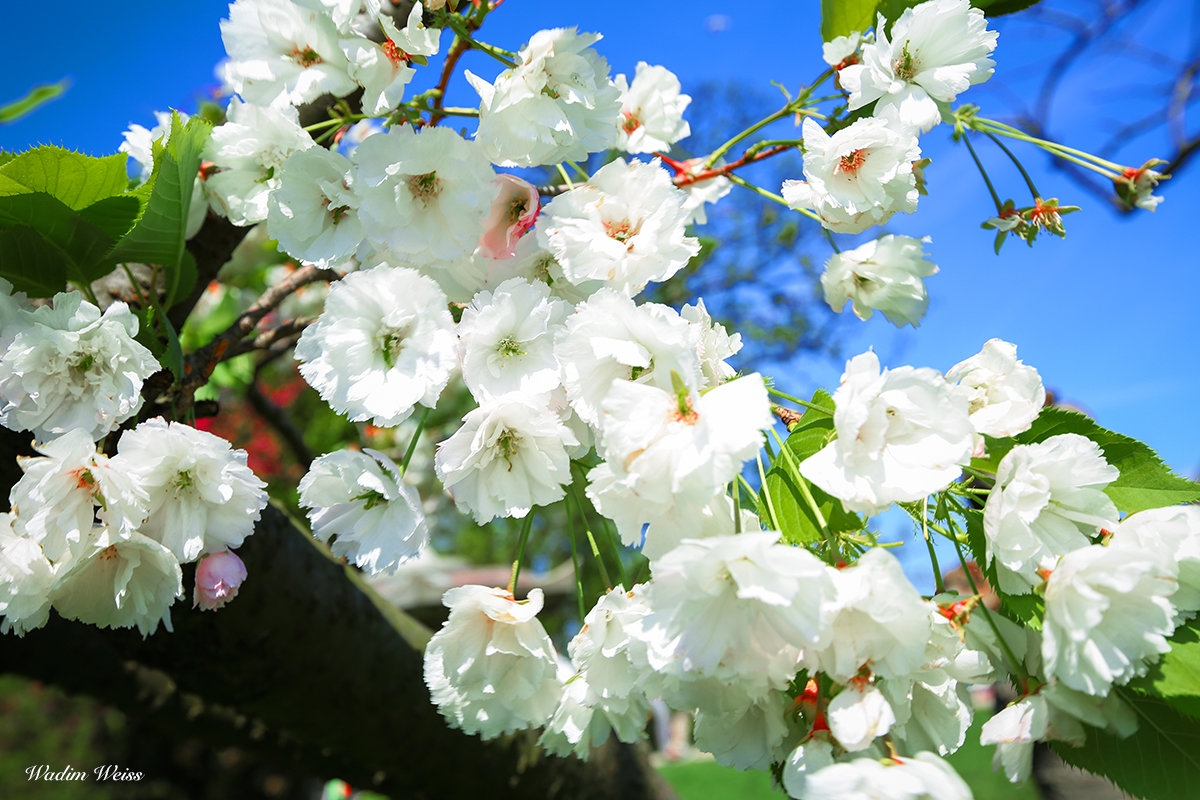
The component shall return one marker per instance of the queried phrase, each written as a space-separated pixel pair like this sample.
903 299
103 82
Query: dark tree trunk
311 667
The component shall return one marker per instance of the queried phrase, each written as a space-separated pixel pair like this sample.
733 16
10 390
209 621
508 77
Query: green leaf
73 245
30 262
1160 761
1145 481
38 96
1176 676
159 236
892 9
998 8
76 180
844 17
793 512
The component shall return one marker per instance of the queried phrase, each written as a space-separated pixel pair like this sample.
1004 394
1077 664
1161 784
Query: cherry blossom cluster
861 175
100 538
818 658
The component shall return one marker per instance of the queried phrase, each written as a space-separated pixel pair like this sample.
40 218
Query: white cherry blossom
506 340
119 582
882 275
1108 615
509 455
491 668
424 194
901 435
384 343
624 228
283 54
1048 500
652 109
314 212
858 177
556 104
936 51
1005 394
69 366
203 497
357 499
248 152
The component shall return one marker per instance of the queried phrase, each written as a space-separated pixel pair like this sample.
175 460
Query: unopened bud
218 577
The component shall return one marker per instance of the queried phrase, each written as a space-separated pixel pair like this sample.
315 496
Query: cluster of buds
1134 186
1029 221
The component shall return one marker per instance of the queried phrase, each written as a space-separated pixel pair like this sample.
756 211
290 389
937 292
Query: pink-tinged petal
218 578
513 213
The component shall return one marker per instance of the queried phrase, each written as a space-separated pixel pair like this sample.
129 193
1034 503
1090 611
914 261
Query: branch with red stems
684 177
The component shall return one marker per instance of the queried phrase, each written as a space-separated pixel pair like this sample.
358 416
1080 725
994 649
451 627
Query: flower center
906 66
183 479
507 443
425 187
83 478
306 57
622 231
394 54
631 122
391 344
516 210
849 164
683 411
370 498
509 346
541 268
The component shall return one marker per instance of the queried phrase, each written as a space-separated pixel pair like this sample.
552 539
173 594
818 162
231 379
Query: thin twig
278 419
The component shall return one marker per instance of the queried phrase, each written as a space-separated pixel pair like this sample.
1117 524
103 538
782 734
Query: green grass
702 780
707 780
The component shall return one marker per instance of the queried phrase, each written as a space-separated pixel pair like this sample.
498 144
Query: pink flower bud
218 577
513 213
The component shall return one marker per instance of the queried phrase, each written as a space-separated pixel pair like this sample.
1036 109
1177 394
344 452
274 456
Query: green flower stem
447 111
1017 665
325 123
1028 180
574 556
794 469
737 507
740 181
937 570
566 178
591 539
1060 150
516 569
792 107
580 170
758 147
978 473
614 543
412 443
771 518
505 57
749 490
800 402
86 288
715 155
134 283
578 492
991 189
596 554
829 236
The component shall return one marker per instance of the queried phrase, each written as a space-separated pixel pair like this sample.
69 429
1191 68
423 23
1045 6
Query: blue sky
1109 316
